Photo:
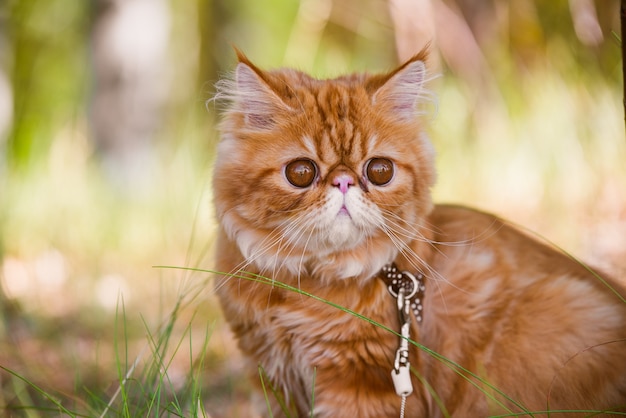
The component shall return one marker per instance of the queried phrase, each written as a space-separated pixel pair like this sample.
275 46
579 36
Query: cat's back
482 240
502 301
490 260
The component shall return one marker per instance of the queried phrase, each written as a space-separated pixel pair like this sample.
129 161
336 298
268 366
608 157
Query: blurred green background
106 145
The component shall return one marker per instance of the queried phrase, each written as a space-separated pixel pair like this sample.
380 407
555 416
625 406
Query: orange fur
510 324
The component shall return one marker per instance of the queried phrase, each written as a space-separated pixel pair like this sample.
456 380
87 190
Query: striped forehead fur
251 88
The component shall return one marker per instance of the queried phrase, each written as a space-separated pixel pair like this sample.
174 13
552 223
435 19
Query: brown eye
301 173
379 171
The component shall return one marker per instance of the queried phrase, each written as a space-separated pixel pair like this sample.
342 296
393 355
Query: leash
409 292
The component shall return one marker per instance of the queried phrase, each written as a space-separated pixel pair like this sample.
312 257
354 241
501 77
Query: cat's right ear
403 89
254 97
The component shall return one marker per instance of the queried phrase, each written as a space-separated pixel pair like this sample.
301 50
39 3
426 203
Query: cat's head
329 176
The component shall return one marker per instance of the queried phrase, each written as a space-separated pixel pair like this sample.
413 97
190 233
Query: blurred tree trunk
213 16
129 51
210 14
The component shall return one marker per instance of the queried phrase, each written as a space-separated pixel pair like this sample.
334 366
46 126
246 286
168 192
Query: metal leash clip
401 374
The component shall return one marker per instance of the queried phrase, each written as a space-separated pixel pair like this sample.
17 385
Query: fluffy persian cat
323 186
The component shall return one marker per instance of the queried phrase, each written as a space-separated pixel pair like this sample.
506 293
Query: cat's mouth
344 212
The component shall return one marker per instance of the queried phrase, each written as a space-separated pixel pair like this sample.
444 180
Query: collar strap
413 287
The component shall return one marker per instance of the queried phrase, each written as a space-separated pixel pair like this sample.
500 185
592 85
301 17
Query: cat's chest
326 319
309 333
344 313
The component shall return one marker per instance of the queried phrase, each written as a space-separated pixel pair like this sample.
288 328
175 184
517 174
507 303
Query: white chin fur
343 234
336 230
334 233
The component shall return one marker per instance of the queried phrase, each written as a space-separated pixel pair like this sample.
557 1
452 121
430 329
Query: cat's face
328 174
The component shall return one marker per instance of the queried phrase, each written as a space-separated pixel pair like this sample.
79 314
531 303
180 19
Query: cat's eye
301 173
379 171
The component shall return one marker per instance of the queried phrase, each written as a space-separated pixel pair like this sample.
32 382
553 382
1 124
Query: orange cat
324 186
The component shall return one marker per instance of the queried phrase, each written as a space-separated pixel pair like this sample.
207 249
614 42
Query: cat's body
318 185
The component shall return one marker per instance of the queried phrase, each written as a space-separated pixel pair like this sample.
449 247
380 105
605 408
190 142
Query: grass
88 327
146 388
147 381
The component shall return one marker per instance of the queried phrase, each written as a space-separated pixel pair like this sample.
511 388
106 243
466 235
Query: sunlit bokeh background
106 146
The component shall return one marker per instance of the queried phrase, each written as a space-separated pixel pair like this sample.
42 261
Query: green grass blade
267 399
39 390
313 391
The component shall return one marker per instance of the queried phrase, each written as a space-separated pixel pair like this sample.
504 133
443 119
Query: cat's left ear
255 98
403 88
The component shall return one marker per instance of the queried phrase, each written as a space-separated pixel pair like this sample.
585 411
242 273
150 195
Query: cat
320 188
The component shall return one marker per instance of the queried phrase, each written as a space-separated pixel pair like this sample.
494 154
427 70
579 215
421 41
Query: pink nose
343 181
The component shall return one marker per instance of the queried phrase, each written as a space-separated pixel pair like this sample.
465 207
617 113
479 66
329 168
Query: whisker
416 234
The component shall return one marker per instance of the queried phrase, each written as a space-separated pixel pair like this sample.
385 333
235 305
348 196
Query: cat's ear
254 96
402 89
